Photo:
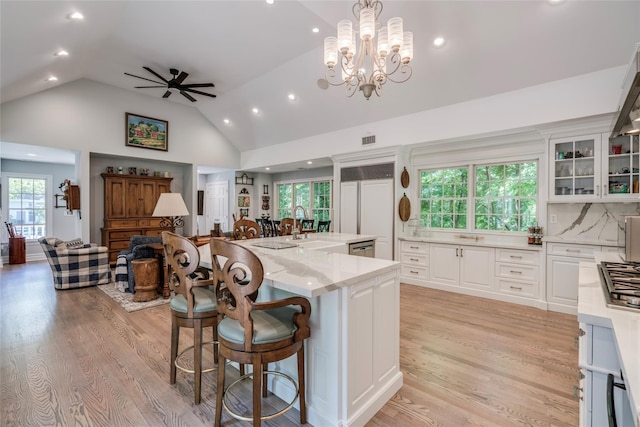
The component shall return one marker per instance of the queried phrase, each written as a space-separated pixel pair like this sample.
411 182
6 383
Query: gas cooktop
621 283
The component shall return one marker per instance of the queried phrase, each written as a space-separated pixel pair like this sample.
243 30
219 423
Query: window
506 196
501 197
27 208
443 198
314 197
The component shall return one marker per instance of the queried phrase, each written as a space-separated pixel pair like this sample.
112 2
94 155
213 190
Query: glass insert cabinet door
622 161
575 166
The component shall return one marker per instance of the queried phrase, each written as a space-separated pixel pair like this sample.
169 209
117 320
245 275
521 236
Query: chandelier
368 66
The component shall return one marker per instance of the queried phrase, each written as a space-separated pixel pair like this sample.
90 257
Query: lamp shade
170 205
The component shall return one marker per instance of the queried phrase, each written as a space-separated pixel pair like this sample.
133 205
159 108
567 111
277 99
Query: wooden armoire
129 201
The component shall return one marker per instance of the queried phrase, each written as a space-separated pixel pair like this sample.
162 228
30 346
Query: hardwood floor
75 357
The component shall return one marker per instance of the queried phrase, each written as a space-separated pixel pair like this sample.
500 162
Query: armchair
76 268
138 249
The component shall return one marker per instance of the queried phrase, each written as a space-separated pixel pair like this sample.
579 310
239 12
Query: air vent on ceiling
366 140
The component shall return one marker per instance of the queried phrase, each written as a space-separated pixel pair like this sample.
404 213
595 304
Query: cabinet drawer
516 271
415 259
413 272
567 249
422 247
119 244
514 287
122 223
515 256
120 235
157 232
149 222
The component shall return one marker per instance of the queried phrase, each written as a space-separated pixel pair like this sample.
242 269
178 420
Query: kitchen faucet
295 233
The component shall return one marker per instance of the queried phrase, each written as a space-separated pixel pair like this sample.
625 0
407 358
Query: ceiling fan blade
156 74
189 97
167 94
198 92
199 85
181 78
143 78
144 87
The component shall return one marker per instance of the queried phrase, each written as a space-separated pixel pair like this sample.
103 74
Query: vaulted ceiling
257 54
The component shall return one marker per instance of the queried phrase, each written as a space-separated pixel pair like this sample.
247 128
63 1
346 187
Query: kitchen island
610 344
352 356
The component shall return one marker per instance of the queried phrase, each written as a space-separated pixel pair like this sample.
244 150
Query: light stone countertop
311 272
592 309
486 242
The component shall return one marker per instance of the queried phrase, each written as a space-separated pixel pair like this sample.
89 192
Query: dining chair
307 224
286 226
246 229
193 306
323 226
255 333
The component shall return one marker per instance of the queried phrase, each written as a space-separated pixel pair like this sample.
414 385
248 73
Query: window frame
310 209
471 190
48 206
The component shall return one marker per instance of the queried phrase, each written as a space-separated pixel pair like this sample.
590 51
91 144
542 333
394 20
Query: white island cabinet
353 354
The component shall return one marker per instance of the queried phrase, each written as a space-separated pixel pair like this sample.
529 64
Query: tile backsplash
589 222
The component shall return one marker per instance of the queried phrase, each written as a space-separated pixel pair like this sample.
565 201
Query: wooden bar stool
255 333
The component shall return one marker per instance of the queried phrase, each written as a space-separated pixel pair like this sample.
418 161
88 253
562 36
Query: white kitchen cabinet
415 261
597 358
458 265
594 168
518 272
563 260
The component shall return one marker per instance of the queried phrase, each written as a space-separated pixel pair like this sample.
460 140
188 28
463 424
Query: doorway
217 205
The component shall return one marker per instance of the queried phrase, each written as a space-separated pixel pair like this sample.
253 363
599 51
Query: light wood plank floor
77 358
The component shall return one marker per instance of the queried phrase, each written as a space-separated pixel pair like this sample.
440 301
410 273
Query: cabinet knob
577 392
581 332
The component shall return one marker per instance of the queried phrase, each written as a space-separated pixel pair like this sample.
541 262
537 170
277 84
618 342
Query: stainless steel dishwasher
366 248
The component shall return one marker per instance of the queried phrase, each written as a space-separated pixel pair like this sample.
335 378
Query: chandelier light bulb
367 23
406 53
330 51
383 42
345 36
395 31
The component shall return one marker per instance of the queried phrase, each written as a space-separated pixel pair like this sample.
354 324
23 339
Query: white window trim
48 196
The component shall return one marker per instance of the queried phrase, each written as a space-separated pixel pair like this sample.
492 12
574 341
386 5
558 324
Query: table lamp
171 208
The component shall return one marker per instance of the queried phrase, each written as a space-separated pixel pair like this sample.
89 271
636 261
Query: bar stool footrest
191 347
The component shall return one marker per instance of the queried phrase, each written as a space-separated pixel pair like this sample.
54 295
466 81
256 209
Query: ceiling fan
175 83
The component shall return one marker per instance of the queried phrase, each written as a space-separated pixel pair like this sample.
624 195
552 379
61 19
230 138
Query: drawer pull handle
515 272
575 251
515 256
517 288
413 272
414 247
414 259
577 392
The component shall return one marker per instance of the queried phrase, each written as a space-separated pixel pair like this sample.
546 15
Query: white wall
90 117
582 96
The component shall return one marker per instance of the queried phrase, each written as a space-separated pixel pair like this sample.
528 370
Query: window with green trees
313 196
496 197
27 207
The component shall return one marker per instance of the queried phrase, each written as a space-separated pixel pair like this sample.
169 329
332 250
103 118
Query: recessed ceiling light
438 41
32 155
270 1
227 121
292 97
555 2
268 169
309 162
255 110
61 52
316 30
76 16
51 79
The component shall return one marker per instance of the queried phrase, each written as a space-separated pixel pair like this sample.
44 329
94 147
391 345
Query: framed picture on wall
146 132
244 201
244 212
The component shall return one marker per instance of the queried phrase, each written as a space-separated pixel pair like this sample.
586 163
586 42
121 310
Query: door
376 214
477 267
216 207
444 264
349 207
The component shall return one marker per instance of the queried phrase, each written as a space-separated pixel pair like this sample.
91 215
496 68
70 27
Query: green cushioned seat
269 326
204 300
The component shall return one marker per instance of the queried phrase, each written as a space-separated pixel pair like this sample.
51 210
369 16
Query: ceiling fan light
330 51
634 115
367 23
345 36
395 30
406 53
